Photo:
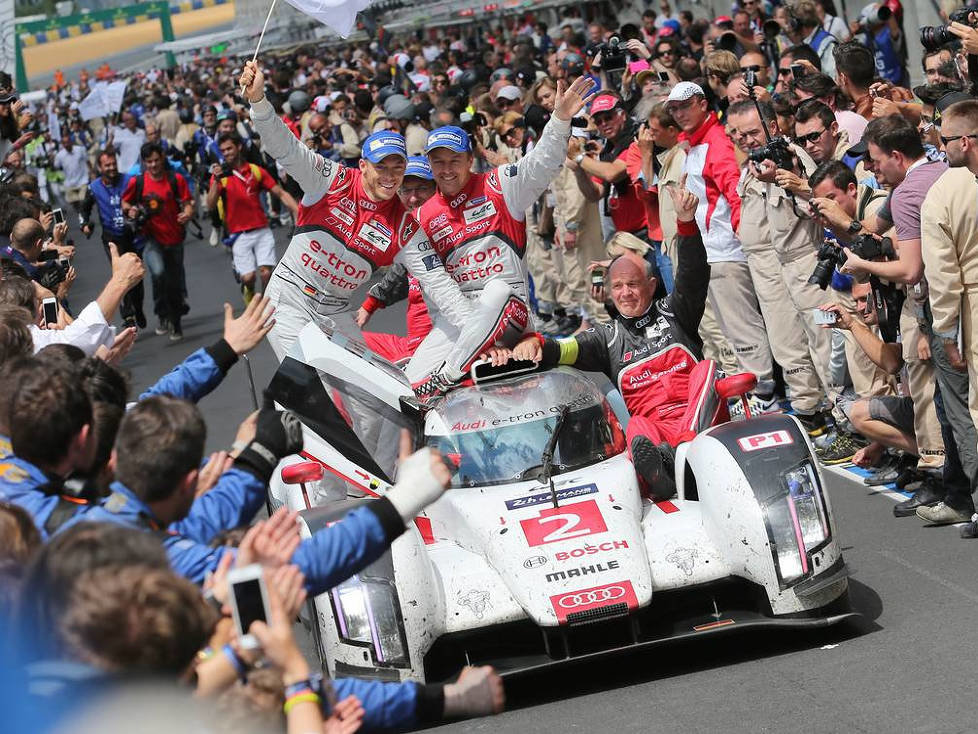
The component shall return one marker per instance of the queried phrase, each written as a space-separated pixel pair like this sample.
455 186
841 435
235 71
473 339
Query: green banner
97 16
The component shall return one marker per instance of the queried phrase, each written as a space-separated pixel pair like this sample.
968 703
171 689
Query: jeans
165 265
663 264
132 302
960 473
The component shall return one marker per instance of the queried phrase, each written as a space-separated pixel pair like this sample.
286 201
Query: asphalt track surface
908 665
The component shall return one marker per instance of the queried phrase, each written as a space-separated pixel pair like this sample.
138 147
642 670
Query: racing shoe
943 514
929 494
433 386
655 466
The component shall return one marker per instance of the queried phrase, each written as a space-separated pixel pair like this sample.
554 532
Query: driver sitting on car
652 351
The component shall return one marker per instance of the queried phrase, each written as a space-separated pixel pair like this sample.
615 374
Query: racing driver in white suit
477 229
350 223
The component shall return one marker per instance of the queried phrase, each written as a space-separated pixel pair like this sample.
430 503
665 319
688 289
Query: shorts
895 410
254 249
75 194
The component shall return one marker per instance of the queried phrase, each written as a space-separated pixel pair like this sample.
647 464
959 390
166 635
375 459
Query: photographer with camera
602 165
805 27
159 204
897 157
817 131
105 193
841 204
238 185
780 239
878 28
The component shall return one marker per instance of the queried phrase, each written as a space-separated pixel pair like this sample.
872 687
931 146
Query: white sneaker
214 238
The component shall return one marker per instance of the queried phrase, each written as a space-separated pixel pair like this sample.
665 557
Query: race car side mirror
306 471
736 385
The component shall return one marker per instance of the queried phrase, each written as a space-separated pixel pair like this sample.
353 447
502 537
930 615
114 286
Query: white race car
545 549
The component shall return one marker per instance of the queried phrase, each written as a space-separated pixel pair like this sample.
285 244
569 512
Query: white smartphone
59 215
249 601
50 306
824 317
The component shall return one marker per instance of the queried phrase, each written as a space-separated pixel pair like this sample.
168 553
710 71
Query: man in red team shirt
162 196
238 184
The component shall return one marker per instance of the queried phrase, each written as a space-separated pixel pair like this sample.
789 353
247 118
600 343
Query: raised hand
684 200
252 82
246 331
571 100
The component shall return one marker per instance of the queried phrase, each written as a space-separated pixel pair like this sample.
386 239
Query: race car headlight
797 523
368 614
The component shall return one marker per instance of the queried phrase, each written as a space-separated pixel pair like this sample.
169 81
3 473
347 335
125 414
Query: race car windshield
496 434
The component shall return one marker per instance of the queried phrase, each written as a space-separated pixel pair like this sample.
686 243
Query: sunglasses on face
509 132
501 102
602 117
811 137
753 67
952 138
667 52
784 72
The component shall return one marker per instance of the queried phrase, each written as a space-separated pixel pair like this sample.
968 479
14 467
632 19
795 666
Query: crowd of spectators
837 206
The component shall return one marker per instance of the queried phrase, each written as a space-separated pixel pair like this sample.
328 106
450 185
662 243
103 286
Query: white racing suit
341 238
479 237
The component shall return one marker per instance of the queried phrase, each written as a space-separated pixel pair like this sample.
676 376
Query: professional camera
134 225
613 55
226 169
831 256
777 150
933 37
51 273
750 79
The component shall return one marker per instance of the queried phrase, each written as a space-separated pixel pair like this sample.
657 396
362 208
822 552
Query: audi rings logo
534 562
595 596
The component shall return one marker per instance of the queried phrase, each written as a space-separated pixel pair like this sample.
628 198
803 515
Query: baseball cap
946 101
684 91
860 148
417 165
449 136
382 144
603 103
509 92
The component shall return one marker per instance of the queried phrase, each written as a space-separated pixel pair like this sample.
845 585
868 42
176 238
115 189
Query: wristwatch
855 226
578 158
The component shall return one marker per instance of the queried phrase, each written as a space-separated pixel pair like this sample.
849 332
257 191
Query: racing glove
477 692
416 487
279 433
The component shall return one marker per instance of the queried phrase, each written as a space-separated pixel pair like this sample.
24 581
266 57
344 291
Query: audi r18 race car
544 549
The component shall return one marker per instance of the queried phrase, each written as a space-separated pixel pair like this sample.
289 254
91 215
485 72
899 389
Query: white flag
93 105
340 15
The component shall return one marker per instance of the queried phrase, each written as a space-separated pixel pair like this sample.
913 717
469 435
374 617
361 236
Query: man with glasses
800 54
757 63
712 174
897 157
780 240
950 253
509 99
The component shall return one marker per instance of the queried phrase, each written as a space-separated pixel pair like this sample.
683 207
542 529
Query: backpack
222 202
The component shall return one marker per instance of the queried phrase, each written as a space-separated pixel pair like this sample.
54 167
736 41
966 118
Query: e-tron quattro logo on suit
535 562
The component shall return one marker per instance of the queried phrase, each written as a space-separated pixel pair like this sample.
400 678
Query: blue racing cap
380 145
451 137
417 165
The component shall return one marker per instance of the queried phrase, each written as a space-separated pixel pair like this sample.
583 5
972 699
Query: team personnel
238 185
712 175
476 224
105 192
652 352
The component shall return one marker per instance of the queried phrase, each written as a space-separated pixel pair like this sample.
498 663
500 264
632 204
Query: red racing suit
654 359
393 287
479 236
341 238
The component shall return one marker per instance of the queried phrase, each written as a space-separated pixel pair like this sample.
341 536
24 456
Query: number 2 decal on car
564 523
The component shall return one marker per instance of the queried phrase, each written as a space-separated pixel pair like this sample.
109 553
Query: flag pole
261 38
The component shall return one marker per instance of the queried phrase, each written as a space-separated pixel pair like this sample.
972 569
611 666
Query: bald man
26 244
652 352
